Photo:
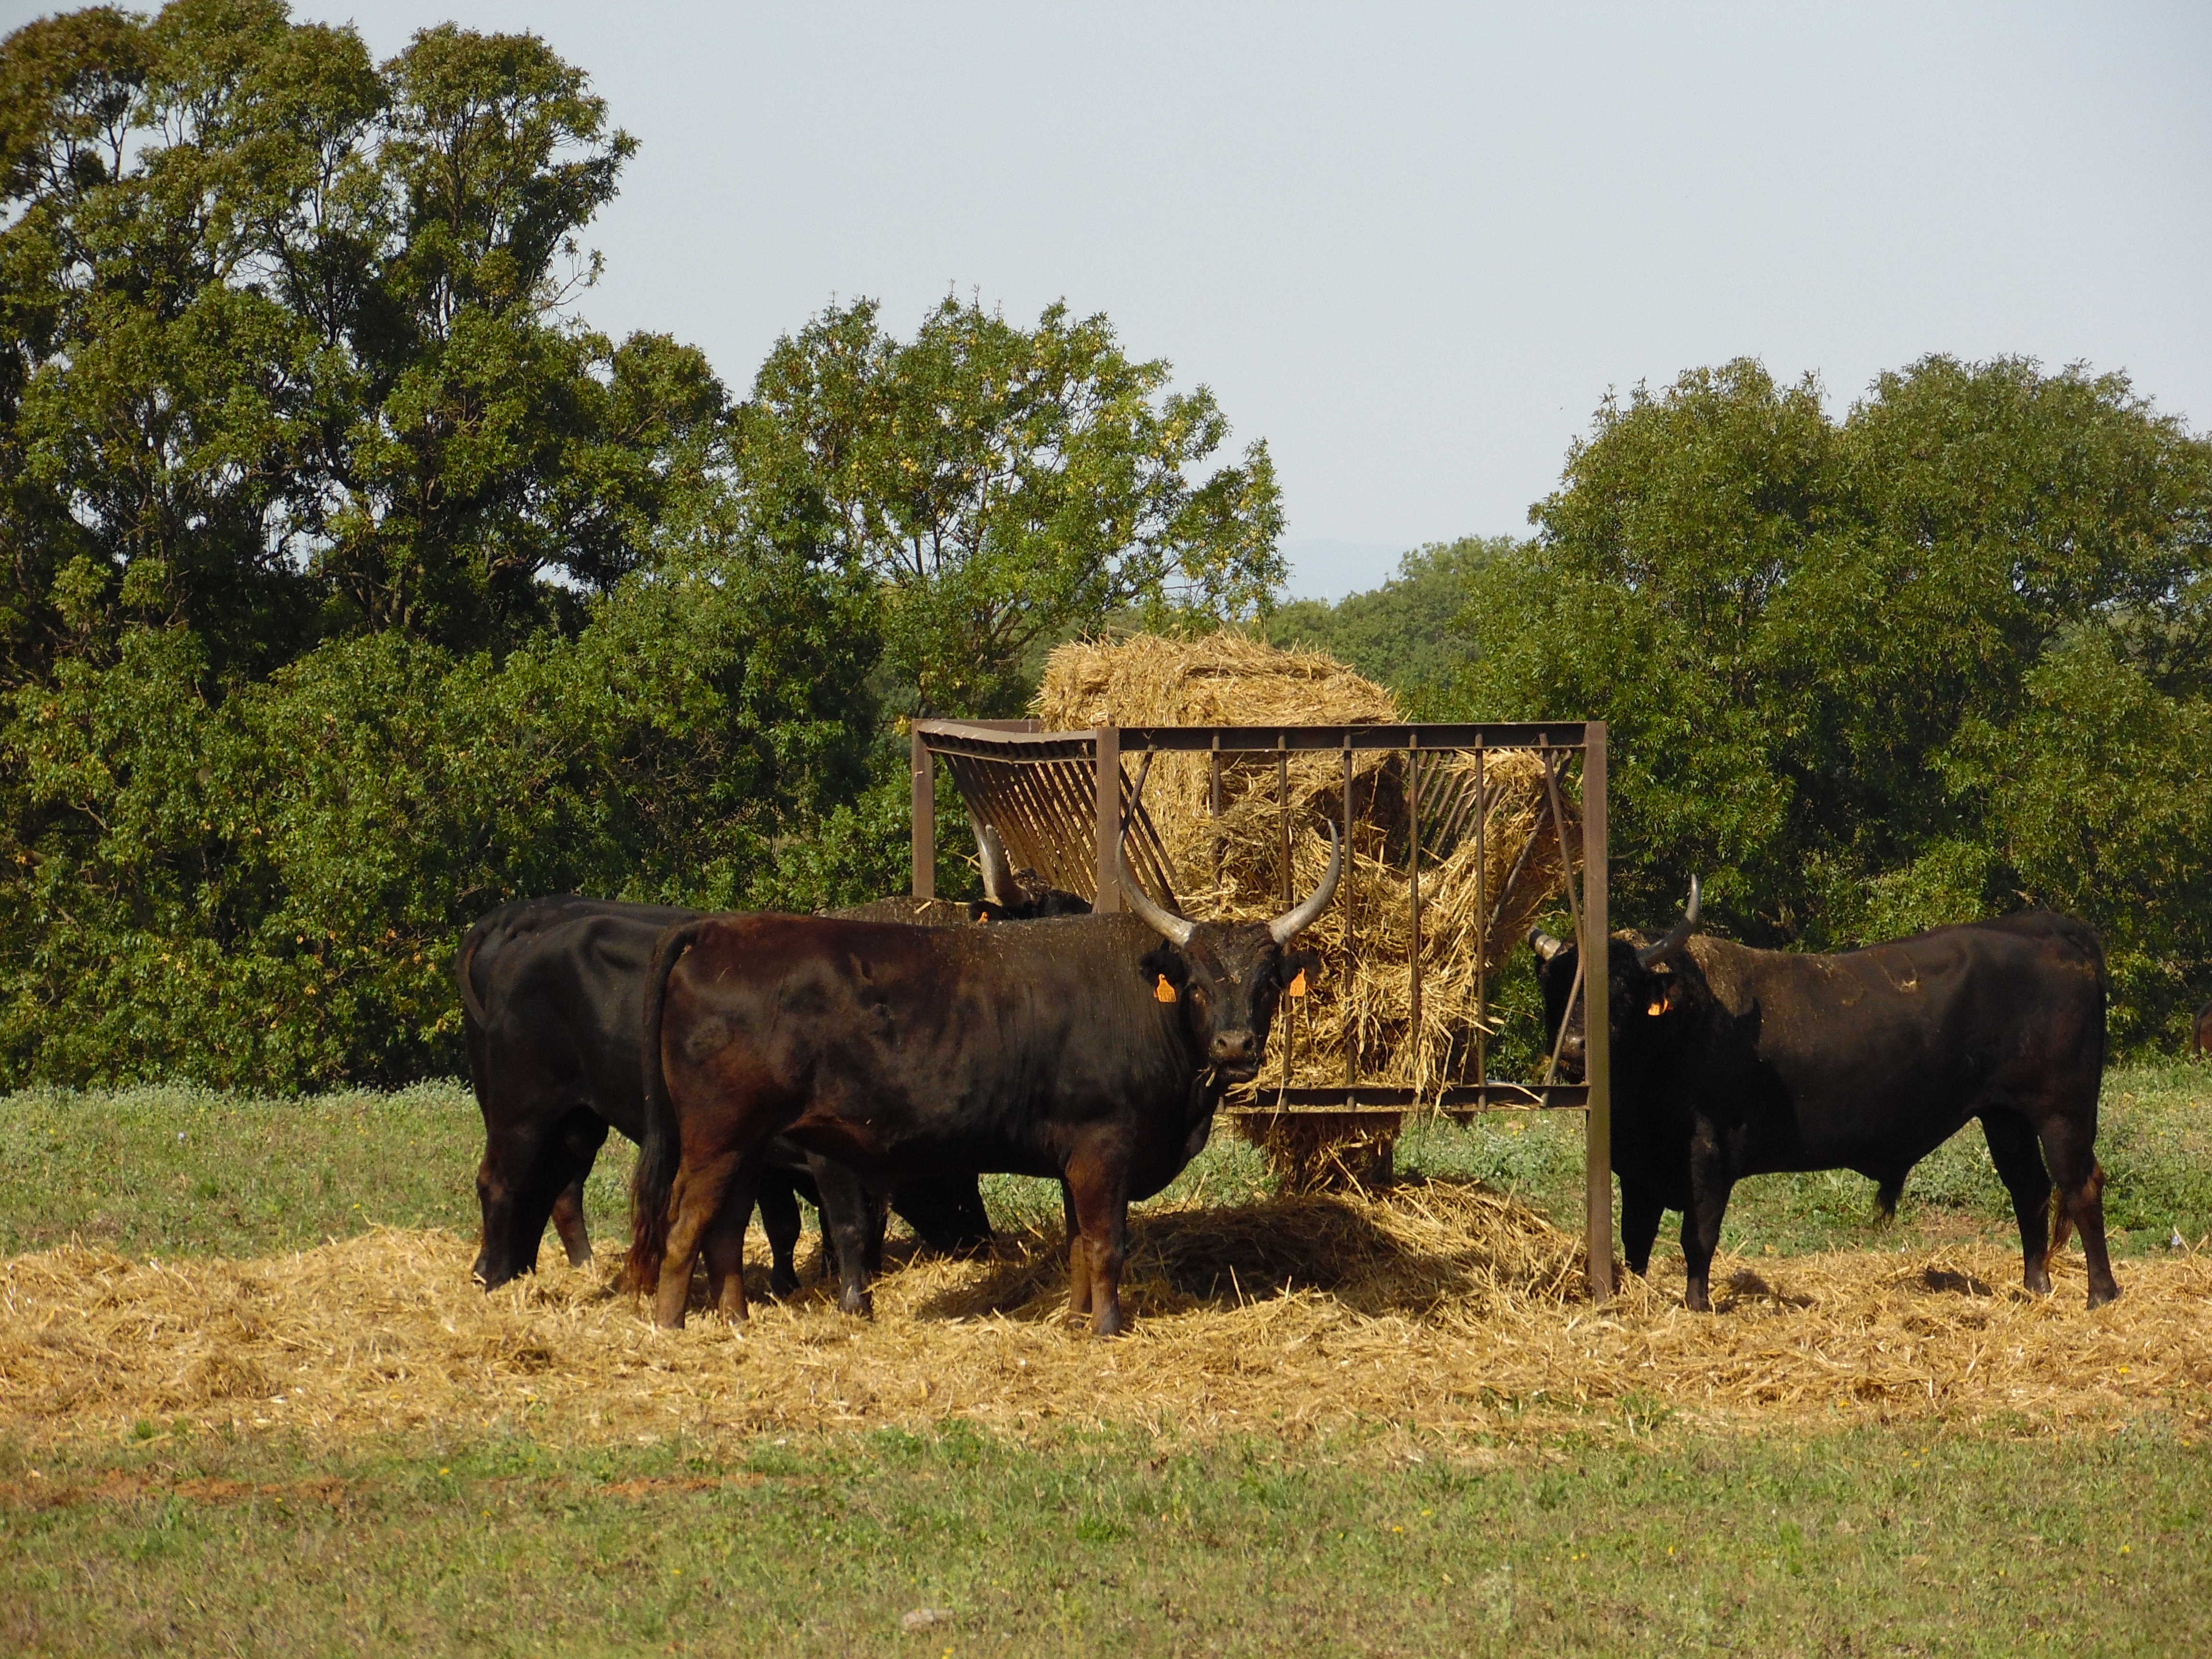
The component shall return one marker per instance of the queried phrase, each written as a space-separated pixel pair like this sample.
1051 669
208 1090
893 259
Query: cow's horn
1677 936
999 887
1288 925
1544 945
1175 929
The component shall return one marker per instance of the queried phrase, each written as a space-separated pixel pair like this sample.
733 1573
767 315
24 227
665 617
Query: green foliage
1403 633
1950 654
268 888
1005 485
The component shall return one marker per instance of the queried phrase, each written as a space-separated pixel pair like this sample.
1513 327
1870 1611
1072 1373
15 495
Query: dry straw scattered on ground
1439 1313
1490 850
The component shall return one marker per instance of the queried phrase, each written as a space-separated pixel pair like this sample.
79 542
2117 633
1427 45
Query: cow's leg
846 1206
2068 1146
568 1222
724 1250
702 1186
779 1212
582 1134
1079 1258
1710 1183
1640 1210
2019 1163
1101 1190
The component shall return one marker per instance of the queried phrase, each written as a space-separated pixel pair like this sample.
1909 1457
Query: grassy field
171 1171
1855 1543
1637 1531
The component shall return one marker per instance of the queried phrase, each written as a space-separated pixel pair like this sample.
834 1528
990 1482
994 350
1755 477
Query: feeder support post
1597 1012
1108 820
925 819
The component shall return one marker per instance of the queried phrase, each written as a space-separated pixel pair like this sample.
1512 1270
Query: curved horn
999 885
1677 936
1288 925
1175 929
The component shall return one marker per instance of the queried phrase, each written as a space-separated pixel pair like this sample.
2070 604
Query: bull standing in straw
1093 1049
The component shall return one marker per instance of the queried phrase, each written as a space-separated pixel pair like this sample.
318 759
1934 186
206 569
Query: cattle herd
884 1057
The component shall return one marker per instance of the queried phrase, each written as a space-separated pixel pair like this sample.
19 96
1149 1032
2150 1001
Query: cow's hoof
1697 1300
860 1306
2099 1296
781 1283
2038 1284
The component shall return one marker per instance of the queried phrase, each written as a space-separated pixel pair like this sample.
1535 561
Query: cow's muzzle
1236 1055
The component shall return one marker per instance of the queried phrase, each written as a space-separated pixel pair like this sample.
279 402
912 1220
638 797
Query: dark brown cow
2200 1039
1046 1050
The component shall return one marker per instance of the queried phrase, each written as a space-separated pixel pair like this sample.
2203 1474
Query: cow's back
1884 1052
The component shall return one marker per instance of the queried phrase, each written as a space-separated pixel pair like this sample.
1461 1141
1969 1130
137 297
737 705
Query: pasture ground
247 1404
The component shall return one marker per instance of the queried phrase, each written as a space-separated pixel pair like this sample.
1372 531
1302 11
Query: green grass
1873 1540
2154 1139
1861 1542
171 1170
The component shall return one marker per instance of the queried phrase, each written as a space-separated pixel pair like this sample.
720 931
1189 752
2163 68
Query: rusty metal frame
1059 800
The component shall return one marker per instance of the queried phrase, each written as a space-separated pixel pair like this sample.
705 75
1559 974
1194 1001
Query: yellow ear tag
1297 986
1164 992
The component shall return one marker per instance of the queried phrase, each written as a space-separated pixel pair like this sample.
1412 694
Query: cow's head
1649 997
1010 895
526 1169
1228 975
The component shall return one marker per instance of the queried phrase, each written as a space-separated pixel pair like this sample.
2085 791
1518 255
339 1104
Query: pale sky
1414 246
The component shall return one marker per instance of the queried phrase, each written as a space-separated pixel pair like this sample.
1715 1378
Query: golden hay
1439 1313
1485 873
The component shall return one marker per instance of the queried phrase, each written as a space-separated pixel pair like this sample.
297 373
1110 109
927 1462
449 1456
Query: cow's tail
465 970
653 1181
2062 1223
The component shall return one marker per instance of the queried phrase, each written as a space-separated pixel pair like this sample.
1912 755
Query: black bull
1045 1049
1729 1062
553 993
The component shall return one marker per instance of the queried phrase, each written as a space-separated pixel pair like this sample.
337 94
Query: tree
1403 633
1004 486
286 356
355 587
1846 664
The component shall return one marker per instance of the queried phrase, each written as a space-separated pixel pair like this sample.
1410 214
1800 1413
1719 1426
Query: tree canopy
1945 656
1004 486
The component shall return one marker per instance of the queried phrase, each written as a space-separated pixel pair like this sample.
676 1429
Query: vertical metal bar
1108 818
1481 920
1282 807
925 820
1414 871
1351 1028
1559 829
1597 1023
1213 765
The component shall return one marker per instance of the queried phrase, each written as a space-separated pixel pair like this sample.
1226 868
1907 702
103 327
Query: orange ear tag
1163 992
1658 1006
1297 986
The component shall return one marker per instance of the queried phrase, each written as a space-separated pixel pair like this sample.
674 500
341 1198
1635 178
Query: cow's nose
1232 1047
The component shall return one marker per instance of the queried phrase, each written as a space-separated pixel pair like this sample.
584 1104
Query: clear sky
1413 246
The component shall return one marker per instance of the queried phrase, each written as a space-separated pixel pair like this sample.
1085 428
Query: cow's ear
1164 962
1667 995
1295 963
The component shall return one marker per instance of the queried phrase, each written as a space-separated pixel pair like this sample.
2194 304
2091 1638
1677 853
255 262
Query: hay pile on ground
1489 852
1443 1314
